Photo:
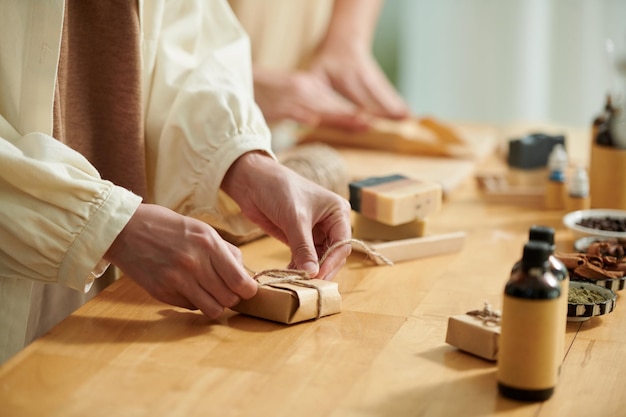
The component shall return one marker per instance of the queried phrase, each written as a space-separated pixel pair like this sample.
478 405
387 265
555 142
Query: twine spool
320 164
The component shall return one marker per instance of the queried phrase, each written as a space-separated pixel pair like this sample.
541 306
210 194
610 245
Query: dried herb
580 295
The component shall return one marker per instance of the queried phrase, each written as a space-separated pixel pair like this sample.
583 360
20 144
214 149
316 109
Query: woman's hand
351 70
305 98
303 215
181 261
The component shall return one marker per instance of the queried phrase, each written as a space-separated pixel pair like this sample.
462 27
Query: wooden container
607 177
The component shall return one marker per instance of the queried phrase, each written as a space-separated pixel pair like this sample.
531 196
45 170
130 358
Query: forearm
353 23
242 175
199 118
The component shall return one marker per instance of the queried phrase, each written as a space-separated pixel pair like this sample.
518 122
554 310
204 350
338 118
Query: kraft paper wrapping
292 302
290 296
474 335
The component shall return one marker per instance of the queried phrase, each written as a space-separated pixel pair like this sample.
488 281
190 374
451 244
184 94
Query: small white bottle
578 195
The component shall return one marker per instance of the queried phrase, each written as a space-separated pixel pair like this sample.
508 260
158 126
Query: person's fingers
231 285
368 94
213 284
328 270
353 122
203 301
333 259
303 116
370 89
387 102
175 299
331 265
303 251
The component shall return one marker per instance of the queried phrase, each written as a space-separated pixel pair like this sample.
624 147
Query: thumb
303 252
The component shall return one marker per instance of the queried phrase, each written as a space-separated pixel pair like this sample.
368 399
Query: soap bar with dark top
395 199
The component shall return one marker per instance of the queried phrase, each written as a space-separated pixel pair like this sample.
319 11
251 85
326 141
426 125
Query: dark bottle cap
536 253
542 234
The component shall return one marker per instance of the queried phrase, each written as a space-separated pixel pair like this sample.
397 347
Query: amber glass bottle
546 234
528 359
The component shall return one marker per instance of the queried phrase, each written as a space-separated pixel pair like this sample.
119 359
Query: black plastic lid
536 253
542 234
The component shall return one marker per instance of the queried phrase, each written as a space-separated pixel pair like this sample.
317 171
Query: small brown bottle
528 360
546 234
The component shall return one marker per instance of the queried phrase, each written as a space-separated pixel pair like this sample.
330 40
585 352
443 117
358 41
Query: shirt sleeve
57 216
200 110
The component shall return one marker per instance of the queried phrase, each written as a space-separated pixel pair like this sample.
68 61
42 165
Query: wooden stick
419 247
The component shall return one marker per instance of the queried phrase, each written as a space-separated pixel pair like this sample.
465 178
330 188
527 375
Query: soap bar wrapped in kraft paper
291 296
292 299
476 332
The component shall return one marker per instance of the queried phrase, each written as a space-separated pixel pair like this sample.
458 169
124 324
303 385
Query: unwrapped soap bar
291 302
395 199
472 334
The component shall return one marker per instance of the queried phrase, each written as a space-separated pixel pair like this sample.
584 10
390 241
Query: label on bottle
560 271
529 357
563 319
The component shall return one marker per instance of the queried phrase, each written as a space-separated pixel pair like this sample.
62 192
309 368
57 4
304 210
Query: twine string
300 277
488 316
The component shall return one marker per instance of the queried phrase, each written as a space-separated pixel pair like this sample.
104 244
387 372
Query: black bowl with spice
587 300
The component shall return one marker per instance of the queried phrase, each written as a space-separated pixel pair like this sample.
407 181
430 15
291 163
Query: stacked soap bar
368 229
392 207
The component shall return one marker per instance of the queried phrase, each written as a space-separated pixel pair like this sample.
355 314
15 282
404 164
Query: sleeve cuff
83 262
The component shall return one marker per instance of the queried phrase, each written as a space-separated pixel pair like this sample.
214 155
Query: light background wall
501 61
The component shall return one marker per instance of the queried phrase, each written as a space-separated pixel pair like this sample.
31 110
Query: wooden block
367 229
419 247
395 199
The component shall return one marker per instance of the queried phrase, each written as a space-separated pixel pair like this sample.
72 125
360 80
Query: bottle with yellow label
529 357
546 234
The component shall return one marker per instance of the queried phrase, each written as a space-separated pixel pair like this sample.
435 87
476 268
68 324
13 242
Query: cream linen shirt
57 216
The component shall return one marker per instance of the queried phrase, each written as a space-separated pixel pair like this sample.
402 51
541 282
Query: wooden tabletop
124 354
